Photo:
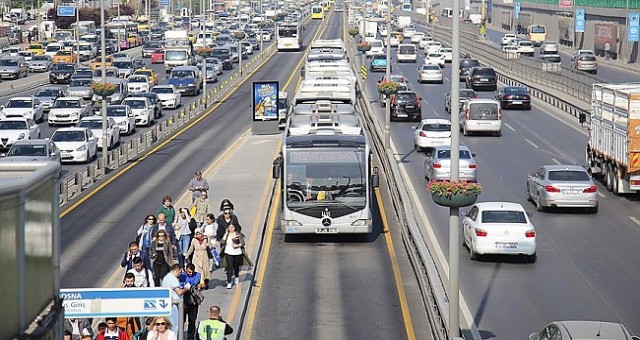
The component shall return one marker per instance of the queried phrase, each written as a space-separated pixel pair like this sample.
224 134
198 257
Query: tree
124 11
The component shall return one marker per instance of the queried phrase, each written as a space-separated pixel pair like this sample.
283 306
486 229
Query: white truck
613 150
370 30
403 20
177 50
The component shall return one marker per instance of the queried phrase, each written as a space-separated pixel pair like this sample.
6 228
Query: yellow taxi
192 37
133 40
96 63
153 76
36 49
64 56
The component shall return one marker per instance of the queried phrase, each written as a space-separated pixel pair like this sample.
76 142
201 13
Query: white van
407 53
481 116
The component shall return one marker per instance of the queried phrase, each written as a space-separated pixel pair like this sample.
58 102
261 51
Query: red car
157 57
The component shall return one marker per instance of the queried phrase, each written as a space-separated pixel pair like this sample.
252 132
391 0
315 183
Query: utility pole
77 44
387 111
103 103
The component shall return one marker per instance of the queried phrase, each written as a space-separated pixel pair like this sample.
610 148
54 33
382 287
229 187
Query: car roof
555 167
73 128
32 142
22 119
69 98
594 329
435 121
135 98
20 98
500 206
448 147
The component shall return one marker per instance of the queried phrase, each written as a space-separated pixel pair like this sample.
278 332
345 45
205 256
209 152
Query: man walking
171 281
133 253
215 328
143 276
197 185
607 50
193 278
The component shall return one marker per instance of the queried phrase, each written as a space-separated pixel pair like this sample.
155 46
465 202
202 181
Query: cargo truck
613 150
403 20
178 51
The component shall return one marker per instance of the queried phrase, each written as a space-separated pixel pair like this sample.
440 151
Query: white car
416 37
382 31
431 132
124 117
138 83
430 73
169 96
15 129
432 47
95 125
217 65
52 49
141 108
27 107
435 59
424 42
408 32
549 47
525 47
377 48
76 144
394 40
69 110
447 53
266 36
499 228
27 55
507 37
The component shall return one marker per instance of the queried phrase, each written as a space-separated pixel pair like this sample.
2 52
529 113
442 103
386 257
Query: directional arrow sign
91 303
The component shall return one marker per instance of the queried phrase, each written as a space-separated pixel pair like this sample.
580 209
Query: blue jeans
183 246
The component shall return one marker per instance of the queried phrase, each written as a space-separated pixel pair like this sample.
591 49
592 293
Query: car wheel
88 157
609 177
498 134
464 130
528 195
593 210
473 256
539 205
532 258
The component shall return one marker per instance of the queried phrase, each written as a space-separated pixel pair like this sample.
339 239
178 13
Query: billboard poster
606 33
265 100
565 30
634 27
580 20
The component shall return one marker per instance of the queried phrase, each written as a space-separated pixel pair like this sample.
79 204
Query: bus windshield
288 32
537 29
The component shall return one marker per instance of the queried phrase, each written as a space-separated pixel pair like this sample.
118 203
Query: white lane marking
532 143
601 194
435 112
510 127
555 161
635 220
445 78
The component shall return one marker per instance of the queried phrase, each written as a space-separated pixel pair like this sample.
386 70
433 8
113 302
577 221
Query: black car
224 55
61 73
155 102
405 105
464 95
514 96
465 65
482 77
254 42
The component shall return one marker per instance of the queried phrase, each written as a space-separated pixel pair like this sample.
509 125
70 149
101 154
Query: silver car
32 150
81 88
437 165
48 95
40 63
562 186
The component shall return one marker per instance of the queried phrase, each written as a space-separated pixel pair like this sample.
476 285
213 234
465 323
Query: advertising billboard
605 32
265 100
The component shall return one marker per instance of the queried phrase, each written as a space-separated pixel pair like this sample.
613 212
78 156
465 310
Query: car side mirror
464 213
473 154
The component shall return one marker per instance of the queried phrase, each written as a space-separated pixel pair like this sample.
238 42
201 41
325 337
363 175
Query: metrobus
84 28
327 183
289 36
407 7
317 12
537 34
339 7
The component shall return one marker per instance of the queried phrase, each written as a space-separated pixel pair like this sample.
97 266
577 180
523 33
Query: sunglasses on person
227 212
150 219
160 323
162 235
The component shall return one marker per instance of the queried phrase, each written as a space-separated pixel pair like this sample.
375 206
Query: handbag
196 296
209 254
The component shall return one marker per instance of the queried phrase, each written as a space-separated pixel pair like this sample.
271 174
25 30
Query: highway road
586 267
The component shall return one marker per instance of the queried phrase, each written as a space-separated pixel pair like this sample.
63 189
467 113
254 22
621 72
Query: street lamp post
77 43
454 255
387 111
103 103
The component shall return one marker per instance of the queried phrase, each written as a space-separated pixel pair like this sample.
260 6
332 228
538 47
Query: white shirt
229 249
141 277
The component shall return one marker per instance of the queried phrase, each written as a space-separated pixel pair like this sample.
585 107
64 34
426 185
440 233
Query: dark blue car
186 79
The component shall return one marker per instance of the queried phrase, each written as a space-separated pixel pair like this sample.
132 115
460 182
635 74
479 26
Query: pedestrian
129 280
167 209
200 250
183 234
144 332
202 207
161 256
145 233
163 224
143 276
607 50
197 185
133 253
209 229
191 278
224 220
102 326
171 281
112 332
162 329
215 328
78 327
234 256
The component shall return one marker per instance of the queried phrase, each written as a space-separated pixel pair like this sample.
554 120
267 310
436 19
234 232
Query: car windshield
27 150
68 136
468 63
484 72
35 47
144 73
214 61
80 83
431 67
53 48
407 50
39 58
569 176
153 97
138 80
66 104
91 124
116 111
436 127
467 93
181 74
63 53
405 97
66 67
511 90
135 104
13 125
162 90
503 216
18 103
434 55
122 64
8 62
587 58
446 154
47 93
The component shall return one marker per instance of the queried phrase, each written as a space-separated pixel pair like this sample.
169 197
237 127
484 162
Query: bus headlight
363 222
291 223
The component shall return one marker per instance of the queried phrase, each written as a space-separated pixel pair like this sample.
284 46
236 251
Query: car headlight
191 85
76 113
82 148
363 222
21 136
122 123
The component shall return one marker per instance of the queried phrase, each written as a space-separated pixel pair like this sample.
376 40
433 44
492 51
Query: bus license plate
326 230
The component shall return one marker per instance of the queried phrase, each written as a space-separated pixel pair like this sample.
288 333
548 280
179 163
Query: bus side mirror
276 170
375 178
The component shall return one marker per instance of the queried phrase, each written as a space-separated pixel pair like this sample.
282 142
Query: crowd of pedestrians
177 249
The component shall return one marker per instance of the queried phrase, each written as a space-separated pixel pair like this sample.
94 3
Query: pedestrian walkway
243 175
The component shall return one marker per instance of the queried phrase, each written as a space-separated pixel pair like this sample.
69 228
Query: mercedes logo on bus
326 218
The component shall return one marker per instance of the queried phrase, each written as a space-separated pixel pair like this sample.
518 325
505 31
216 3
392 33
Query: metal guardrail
72 185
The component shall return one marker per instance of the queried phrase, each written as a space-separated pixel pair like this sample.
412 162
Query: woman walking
183 234
160 255
199 248
232 245
202 207
144 233
161 329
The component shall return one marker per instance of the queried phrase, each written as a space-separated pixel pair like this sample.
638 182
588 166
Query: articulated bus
317 12
289 36
327 183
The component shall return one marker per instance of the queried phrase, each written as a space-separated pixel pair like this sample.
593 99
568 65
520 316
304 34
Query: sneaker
236 280
229 285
